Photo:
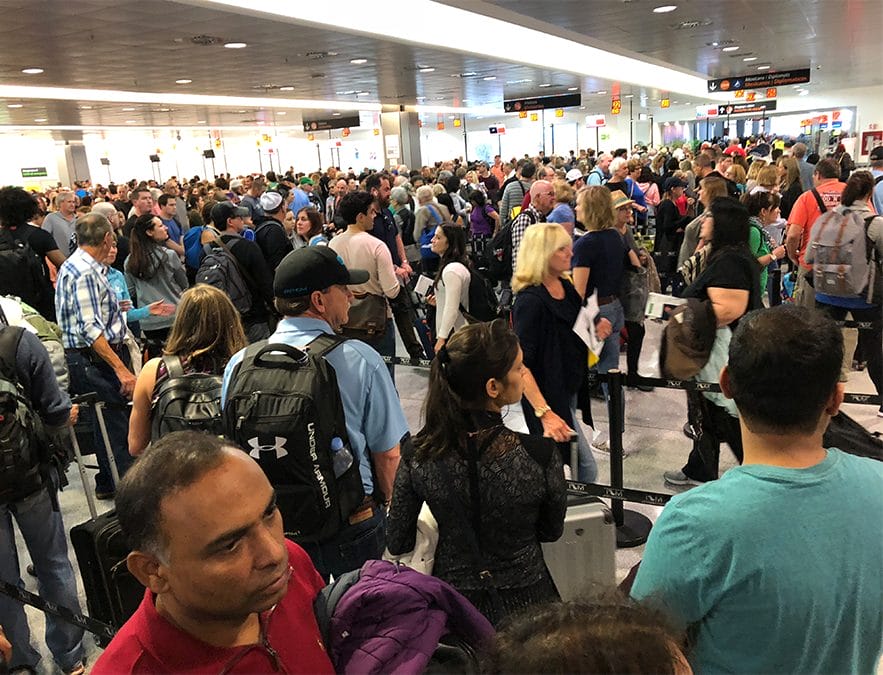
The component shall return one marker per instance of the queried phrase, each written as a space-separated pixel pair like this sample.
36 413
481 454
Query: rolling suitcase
584 558
112 593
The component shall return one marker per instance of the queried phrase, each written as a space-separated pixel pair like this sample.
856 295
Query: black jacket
257 276
270 235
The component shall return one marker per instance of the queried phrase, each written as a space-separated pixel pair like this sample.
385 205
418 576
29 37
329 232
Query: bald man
542 199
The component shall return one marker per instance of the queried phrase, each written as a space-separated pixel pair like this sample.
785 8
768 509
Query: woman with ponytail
495 493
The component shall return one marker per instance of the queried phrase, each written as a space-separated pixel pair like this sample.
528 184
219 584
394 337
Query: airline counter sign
759 80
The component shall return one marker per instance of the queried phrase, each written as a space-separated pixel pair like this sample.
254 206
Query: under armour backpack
220 269
284 409
186 401
21 430
844 263
21 270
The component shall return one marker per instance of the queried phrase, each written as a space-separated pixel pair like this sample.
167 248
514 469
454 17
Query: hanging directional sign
542 102
331 123
743 108
759 80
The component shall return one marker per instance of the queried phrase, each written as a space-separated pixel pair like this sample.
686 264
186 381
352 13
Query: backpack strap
435 214
324 343
252 286
174 367
10 337
878 179
819 201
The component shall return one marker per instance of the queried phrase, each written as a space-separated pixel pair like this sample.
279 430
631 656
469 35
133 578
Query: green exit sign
34 172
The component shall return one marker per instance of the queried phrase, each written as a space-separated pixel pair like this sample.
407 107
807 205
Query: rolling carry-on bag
112 593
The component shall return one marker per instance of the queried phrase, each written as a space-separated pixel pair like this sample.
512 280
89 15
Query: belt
117 347
606 299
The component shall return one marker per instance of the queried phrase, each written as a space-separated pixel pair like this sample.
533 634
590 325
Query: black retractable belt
27 598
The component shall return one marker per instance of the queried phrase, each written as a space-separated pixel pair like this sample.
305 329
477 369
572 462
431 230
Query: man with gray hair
251 200
61 222
93 329
806 169
542 199
115 218
598 175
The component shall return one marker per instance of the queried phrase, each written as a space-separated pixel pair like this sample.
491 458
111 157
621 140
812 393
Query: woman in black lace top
521 493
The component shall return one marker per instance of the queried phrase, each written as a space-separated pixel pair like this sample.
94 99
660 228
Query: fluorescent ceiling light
420 22
15 105
184 81
764 67
115 96
32 71
235 45
358 62
363 93
731 48
40 119
664 9
573 89
286 88
750 58
281 112
128 109
489 78
200 121
427 70
545 84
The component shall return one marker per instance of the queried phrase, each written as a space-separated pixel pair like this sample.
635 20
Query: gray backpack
219 268
839 251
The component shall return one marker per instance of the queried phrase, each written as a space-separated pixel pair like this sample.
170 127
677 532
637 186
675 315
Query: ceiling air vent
206 40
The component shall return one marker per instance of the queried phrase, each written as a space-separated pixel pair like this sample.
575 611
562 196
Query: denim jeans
588 468
608 359
386 346
91 374
351 548
43 532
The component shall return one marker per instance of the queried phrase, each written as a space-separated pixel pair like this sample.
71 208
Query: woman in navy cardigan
546 307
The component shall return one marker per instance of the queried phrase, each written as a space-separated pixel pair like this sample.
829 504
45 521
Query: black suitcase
849 436
112 593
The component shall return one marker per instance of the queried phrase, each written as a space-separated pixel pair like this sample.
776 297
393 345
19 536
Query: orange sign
665 103
740 93
559 112
534 117
522 115
377 132
835 115
615 106
772 92
311 137
750 96
440 126
823 119
457 122
725 85
345 132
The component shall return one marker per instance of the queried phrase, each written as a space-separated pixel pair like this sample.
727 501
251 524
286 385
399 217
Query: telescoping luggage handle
86 400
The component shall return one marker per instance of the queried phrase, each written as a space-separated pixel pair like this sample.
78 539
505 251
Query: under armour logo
278 447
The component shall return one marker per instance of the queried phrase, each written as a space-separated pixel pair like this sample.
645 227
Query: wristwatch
542 410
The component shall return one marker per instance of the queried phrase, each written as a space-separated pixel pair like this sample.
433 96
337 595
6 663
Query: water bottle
342 457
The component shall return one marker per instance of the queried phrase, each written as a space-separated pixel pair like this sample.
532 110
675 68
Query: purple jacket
390 621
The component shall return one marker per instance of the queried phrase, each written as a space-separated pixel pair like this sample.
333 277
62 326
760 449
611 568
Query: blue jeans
43 531
386 346
588 469
609 358
88 375
351 548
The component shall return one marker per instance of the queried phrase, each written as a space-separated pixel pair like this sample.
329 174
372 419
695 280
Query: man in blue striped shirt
93 329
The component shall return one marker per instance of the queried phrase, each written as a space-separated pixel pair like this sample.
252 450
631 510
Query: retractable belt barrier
27 598
621 494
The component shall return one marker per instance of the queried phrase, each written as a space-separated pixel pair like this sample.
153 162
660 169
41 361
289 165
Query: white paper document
585 324
424 283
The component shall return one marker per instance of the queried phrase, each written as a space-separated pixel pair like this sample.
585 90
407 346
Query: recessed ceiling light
731 48
603 91
235 45
489 78
544 85
363 93
572 88
184 81
128 109
286 88
164 109
664 9
358 62
281 112
764 67
335 114
750 58
626 96
427 70
200 121
130 121
32 71
85 107
15 105
40 119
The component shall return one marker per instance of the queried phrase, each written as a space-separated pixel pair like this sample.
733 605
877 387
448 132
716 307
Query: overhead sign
745 108
772 92
499 129
759 80
331 123
542 102
615 106
595 121
750 96
34 172
665 103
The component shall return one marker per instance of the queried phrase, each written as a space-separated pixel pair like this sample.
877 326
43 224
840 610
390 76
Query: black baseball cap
313 268
876 154
673 182
224 210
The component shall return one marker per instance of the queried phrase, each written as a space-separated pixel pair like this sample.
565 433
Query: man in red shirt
226 592
804 213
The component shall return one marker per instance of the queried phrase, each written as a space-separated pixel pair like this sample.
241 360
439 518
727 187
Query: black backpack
483 302
284 409
186 402
219 268
22 436
21 270
498 255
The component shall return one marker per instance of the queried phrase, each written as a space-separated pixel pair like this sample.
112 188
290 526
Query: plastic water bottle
342 457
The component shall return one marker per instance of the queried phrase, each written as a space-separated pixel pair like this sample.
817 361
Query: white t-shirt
451 291
361 251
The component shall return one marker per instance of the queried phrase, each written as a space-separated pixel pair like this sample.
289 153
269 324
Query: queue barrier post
632 528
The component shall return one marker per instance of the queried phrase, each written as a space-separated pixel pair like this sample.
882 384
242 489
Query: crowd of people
149 283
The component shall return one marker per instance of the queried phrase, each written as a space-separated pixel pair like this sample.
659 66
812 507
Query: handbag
634 293
367 317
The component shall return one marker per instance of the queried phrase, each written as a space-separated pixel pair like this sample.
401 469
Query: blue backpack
428 233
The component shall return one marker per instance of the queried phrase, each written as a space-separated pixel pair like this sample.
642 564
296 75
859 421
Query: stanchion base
634 529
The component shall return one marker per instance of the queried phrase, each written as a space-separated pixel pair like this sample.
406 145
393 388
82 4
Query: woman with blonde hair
207 331
789 184
556 362
767 180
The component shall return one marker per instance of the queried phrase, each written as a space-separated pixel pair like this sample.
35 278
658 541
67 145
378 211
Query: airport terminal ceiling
151 47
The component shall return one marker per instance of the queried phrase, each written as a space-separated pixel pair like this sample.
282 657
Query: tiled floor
653 442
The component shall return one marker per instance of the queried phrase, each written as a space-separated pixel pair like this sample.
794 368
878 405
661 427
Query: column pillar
401 139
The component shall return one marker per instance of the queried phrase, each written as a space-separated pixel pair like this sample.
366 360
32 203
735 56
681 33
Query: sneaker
601 446
680 478
689 431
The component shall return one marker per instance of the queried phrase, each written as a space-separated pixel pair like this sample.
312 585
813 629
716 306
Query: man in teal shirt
778 566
